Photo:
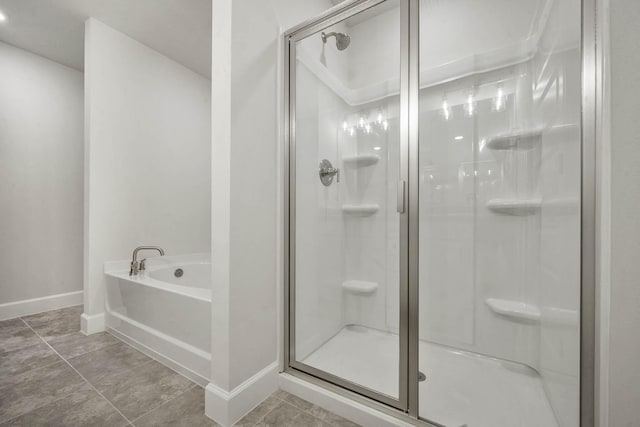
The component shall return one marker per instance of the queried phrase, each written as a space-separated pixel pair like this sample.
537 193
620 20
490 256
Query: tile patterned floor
51 374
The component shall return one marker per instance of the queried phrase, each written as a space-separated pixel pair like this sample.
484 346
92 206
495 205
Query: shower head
342 40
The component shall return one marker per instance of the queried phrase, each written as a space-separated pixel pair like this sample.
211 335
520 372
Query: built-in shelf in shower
522 139
363 209
514 309
360 287
514 206
361 160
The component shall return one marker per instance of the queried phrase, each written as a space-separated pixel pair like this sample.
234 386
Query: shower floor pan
461 388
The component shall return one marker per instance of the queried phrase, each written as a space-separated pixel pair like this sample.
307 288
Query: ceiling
179 29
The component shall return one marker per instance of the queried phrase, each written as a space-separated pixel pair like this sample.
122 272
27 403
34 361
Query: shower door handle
401 191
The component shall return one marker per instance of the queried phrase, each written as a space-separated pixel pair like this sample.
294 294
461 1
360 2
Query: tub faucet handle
134 262
134 268
143 266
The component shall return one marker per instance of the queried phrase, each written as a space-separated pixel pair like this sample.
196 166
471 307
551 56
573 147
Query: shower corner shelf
364 209
361 160
359 287
514 206
517 139
514 309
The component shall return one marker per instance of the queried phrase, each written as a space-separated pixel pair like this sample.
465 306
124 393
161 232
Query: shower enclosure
439 208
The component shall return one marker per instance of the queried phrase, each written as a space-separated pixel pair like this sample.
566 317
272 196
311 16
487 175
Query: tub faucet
134 263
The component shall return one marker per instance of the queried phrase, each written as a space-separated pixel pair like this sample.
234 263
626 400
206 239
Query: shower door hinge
401 190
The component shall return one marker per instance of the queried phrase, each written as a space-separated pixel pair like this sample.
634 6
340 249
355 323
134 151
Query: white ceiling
179 29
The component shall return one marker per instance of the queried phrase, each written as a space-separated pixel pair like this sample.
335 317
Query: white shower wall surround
447 191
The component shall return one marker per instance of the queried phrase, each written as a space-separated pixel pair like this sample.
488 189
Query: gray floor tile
57 322
53 315
316 411
77 344
282 415
24 359
36 388
83 407
259 412
14 334
186 410
281 394
108 361
331 418
298 402
338 421
308 420
138 391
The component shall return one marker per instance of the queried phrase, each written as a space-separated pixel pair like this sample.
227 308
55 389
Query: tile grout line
164 403
76 371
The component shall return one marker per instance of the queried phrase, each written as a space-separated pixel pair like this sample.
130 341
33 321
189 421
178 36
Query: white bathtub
165 316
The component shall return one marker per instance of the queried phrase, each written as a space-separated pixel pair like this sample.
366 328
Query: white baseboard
11 310
92 323
228 407
343 406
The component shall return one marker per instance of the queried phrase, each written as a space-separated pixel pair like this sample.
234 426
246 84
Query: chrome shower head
342 40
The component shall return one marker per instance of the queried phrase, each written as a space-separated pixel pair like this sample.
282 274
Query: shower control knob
327 172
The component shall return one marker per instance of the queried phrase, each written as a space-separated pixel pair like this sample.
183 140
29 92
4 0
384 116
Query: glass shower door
499 195
345 225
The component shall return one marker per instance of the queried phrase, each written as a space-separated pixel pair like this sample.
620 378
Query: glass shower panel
347 144
499 199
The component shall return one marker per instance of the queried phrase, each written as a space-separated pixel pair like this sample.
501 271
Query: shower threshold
461 388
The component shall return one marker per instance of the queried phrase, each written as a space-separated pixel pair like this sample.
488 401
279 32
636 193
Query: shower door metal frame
328 19
591 117
406 407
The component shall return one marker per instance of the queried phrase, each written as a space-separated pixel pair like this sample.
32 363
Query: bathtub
162 315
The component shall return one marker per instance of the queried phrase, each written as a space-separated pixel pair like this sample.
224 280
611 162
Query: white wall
245 198
245 182
148 145
40 176
244 124
624 363
254 142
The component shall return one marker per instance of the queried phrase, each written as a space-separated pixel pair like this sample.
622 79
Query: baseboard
338 404
11 310
92 323
226 408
